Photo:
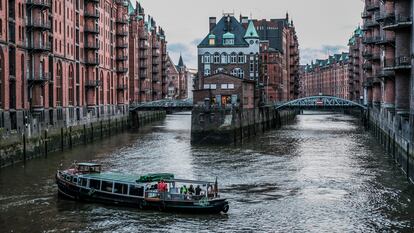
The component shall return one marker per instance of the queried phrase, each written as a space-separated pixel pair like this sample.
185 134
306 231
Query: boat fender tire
225 208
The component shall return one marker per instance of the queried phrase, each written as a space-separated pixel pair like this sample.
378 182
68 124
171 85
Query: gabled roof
221 28
251 31
181 62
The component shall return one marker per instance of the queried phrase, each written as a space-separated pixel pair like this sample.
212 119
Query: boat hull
70 191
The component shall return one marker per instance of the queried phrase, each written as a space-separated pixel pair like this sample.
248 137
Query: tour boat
86 182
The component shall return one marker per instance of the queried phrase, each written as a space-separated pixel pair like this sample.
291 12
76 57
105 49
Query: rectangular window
213 86
224 86
230 86
94 184
106 186
83 182
136 190
121 188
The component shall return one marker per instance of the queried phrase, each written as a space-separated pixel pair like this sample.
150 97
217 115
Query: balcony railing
121 87
122 33
38 78
121 45
45 46
365 14
399 63
38 23
399 21
380 16
372 6
384 39
121 20
91 14
92 61
121 69
39 3
91 45
121 58
92 83
91 29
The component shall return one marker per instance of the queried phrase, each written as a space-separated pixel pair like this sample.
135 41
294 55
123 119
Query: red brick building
228 62
177 80
356 56
279 59
327 77
65 63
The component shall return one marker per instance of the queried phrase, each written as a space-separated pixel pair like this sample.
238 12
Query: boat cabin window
75 180
121 188
135 190
83 182
95 184
89 168
69 178
107 186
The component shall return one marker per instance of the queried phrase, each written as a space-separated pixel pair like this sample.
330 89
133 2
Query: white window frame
207 58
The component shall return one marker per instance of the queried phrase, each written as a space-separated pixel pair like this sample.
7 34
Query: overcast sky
323 26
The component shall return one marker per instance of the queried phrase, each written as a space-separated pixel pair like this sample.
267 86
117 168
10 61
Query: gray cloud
309 54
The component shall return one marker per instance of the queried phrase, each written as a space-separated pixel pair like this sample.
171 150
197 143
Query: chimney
212 22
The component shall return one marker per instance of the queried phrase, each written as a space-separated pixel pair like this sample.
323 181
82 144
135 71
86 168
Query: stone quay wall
394 133
19 148
225 126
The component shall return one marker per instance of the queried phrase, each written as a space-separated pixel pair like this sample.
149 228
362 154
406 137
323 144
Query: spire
181 62
251 31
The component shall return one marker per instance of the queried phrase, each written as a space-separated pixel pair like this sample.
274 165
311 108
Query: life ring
225 208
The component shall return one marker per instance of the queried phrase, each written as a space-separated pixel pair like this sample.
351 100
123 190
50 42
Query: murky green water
323 173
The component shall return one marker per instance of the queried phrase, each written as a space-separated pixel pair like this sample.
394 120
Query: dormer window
212 39
228 38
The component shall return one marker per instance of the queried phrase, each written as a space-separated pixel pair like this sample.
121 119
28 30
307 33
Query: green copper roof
228 35
131 8
251 31
212 36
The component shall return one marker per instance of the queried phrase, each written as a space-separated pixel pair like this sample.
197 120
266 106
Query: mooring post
70 136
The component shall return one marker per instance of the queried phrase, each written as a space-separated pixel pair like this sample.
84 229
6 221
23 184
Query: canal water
322 173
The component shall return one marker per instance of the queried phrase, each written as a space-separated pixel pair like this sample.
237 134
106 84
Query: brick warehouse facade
327 77
279 58
356 77
66 63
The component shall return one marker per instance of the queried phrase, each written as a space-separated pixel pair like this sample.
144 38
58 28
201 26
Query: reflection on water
323 173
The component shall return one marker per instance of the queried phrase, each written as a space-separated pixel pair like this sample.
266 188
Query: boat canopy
155 177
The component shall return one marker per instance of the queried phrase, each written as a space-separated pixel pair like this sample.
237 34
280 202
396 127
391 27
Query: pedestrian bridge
169 105
320 103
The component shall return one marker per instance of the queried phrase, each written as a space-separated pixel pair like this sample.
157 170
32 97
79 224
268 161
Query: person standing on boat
198 190
191 190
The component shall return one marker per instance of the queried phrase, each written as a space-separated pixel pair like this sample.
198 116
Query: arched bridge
320 102
169 105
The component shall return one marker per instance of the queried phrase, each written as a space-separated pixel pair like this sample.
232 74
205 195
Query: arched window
242 59
59 84
101 88
237 72
108 89
216 58
233 58
207 58
70 82
207 72
224 58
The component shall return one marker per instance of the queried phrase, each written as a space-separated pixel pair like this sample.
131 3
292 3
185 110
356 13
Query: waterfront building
327 77
279 58
228 64
68 63
388 33
177 76
356 77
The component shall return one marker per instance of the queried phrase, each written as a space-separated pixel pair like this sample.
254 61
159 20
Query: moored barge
86 182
